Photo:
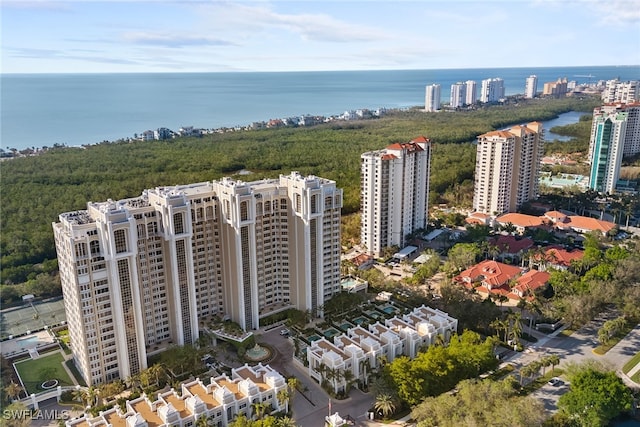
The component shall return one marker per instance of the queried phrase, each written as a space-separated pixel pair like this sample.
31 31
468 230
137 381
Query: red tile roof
520 220
560 256
511 245
530 281
492 273
498 133
421 139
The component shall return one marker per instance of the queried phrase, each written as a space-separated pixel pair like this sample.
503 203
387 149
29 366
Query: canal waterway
562 120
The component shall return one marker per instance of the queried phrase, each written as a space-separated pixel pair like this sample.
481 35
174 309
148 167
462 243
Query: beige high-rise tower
507 168
139 274
394 193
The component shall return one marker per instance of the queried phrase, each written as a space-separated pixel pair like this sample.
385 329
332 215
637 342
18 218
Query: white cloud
251 19
173 40
618 12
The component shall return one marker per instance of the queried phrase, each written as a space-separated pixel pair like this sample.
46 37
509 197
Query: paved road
578 348
312 406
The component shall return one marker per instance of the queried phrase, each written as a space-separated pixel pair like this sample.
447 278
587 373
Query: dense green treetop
596 396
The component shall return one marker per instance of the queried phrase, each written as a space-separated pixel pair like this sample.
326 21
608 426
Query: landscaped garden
44 370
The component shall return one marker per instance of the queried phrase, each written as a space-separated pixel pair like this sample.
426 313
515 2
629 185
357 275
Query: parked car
556 382
284 332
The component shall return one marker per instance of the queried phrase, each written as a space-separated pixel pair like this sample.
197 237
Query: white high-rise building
492 90
458 95
531 87
615 133
138 274
432 98
394 193
507 168
625 92
471 92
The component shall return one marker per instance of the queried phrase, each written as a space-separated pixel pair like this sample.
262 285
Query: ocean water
39 110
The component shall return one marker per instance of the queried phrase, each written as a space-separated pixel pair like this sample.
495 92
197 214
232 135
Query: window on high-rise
120 240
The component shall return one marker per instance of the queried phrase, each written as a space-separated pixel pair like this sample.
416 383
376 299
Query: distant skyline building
615 134
458 95
138 275
625 92
531 87
557 89
471 92
394 193
492 90
507 168
432 98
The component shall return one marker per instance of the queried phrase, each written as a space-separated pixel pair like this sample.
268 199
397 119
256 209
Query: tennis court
31 317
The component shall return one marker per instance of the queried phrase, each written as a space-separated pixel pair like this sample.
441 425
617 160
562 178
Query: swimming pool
389 309
373 314
28 342
346 326
360 320
331 332
313 337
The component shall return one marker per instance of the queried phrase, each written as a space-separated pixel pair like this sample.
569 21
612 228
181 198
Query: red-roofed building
510 246
363 261
557 220
557 257
478 218
521 221
496 278
529 282
490 274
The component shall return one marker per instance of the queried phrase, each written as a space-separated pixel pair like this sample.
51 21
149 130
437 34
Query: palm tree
544 362
385 404
13 390
554 360
87 396
365 367
284 396
203 421
516 326
285 422
292 384
260 409
157 370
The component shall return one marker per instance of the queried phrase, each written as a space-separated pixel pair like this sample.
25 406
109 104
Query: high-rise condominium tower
471 92
394 193
138 274
615 133
492 90
432 98
458 95
531 87
625 92
507 168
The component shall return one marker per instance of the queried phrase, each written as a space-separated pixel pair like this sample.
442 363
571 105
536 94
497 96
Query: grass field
34 372
631 363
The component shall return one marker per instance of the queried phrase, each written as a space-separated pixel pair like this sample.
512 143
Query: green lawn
631 363
34 372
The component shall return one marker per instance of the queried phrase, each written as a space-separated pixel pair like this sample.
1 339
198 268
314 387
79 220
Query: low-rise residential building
498 279
511 246
556 257
352 355
529 283
220 401
556 220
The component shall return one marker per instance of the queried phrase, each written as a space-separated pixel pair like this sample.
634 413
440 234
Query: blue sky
192 36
